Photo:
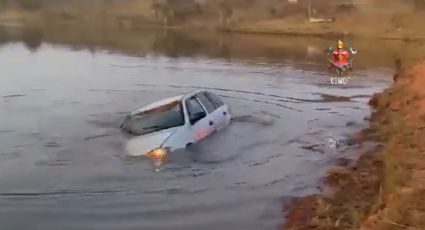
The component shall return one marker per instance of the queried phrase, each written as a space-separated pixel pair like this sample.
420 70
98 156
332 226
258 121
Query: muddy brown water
62 163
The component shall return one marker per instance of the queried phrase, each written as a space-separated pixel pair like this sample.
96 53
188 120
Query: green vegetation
29 4
21 4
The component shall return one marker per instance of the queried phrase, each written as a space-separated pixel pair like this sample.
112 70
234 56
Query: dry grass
404 183
129 14
386 189
391 19
401 24
358 191
19 17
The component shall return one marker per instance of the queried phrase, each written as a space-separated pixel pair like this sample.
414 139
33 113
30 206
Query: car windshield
159 118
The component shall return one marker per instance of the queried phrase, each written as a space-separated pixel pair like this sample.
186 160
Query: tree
2 4
419 4
28 4
309 9
171 10
225 13
162 11
224 9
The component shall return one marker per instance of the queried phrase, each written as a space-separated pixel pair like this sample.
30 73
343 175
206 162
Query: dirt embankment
386 187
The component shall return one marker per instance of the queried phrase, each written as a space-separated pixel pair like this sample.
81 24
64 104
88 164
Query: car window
193 106
215 99
159 118
209 105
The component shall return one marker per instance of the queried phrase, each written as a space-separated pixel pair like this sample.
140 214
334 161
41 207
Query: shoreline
322 34
288 28
398 22
385 188
230 31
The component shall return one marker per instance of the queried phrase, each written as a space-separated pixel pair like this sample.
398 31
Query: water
62 161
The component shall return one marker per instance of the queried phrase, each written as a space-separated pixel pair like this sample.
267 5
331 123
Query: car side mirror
125 122
197 116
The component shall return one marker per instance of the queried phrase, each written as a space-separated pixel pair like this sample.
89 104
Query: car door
211 108
203 127
222 112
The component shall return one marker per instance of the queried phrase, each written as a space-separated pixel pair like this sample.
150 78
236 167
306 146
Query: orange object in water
158 154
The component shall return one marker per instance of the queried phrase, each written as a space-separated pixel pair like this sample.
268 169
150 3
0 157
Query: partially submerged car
174 123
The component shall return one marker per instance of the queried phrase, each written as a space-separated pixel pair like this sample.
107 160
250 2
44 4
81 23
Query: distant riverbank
212 43
318 31
344 27
396 22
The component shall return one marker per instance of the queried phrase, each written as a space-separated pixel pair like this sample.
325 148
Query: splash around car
174 123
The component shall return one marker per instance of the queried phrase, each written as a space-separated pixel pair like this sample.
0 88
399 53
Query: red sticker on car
201 134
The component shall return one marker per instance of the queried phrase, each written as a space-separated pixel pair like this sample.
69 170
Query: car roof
159 103
167 101
194 93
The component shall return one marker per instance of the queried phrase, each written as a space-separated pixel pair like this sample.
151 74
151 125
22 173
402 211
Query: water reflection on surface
64 95
175 43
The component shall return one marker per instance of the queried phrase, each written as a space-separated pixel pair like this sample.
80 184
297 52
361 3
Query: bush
29 4
346 7
2 4
273 11
419 4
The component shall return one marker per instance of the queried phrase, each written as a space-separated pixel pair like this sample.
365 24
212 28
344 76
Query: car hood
141 145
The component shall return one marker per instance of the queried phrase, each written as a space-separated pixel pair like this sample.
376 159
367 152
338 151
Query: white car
174 123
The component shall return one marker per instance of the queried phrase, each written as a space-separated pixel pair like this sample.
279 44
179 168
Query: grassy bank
385 189
373 19
338 29
107 16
